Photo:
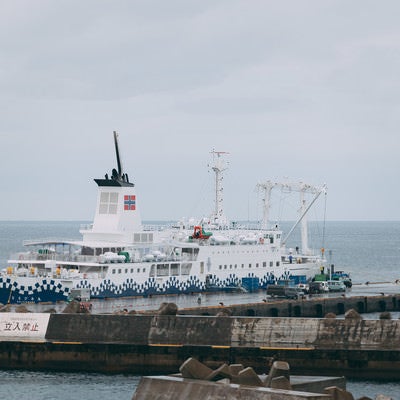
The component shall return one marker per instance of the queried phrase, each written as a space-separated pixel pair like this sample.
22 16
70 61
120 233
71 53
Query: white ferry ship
119 257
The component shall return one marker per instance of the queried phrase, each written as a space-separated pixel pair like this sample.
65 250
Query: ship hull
52 290
15 291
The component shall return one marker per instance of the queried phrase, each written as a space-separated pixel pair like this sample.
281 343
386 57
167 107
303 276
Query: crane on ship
300 187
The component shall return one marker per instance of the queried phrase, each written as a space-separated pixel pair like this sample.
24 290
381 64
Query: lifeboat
199 233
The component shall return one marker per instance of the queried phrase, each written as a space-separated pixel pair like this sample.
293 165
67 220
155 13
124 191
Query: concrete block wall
324 333
159 344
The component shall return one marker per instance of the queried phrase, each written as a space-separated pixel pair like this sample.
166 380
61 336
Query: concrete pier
149 344
314 307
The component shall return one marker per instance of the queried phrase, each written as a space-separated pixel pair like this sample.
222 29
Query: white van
336 286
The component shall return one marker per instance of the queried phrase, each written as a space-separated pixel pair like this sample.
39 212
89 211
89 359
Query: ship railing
156 227
49 241
51 256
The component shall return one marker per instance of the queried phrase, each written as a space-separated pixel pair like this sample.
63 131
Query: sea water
370 251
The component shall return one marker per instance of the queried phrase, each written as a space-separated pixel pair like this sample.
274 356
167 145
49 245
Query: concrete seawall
145 344
316 307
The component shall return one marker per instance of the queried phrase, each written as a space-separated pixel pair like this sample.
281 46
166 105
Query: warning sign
23 325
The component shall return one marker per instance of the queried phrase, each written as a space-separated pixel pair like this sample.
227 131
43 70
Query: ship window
256 265
271 264
249 265
112 209
126 270
108 203
144 270
104 197
174 269
185 268
119 270
138 270
220 267
190 253
131 270
152 270
277 263
242 265
230 266
113 271
162 269
235 266
264 264
202 267
225 266
87 251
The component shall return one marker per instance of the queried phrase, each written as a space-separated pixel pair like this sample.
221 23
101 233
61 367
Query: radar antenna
118 177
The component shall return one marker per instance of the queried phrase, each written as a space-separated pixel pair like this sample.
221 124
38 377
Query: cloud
305 89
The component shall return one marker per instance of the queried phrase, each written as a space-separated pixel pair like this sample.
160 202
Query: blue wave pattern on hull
51 291
173 286
46 291
130 288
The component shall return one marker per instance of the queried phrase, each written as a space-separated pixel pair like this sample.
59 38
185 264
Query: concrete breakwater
148 344
316 307
196 381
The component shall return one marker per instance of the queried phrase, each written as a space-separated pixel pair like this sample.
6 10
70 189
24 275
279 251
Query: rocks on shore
385 315
352 314
77 307
167 309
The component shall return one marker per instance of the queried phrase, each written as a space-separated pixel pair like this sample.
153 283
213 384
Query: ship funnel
117 210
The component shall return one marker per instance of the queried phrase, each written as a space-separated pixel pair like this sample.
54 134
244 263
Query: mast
267 187
304 222
118 177
117 154
219 165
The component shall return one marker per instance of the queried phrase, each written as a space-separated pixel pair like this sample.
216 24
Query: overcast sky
308 90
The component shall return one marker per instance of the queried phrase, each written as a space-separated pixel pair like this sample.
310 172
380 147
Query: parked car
344 277
318 287
304 287
282 291
336 286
